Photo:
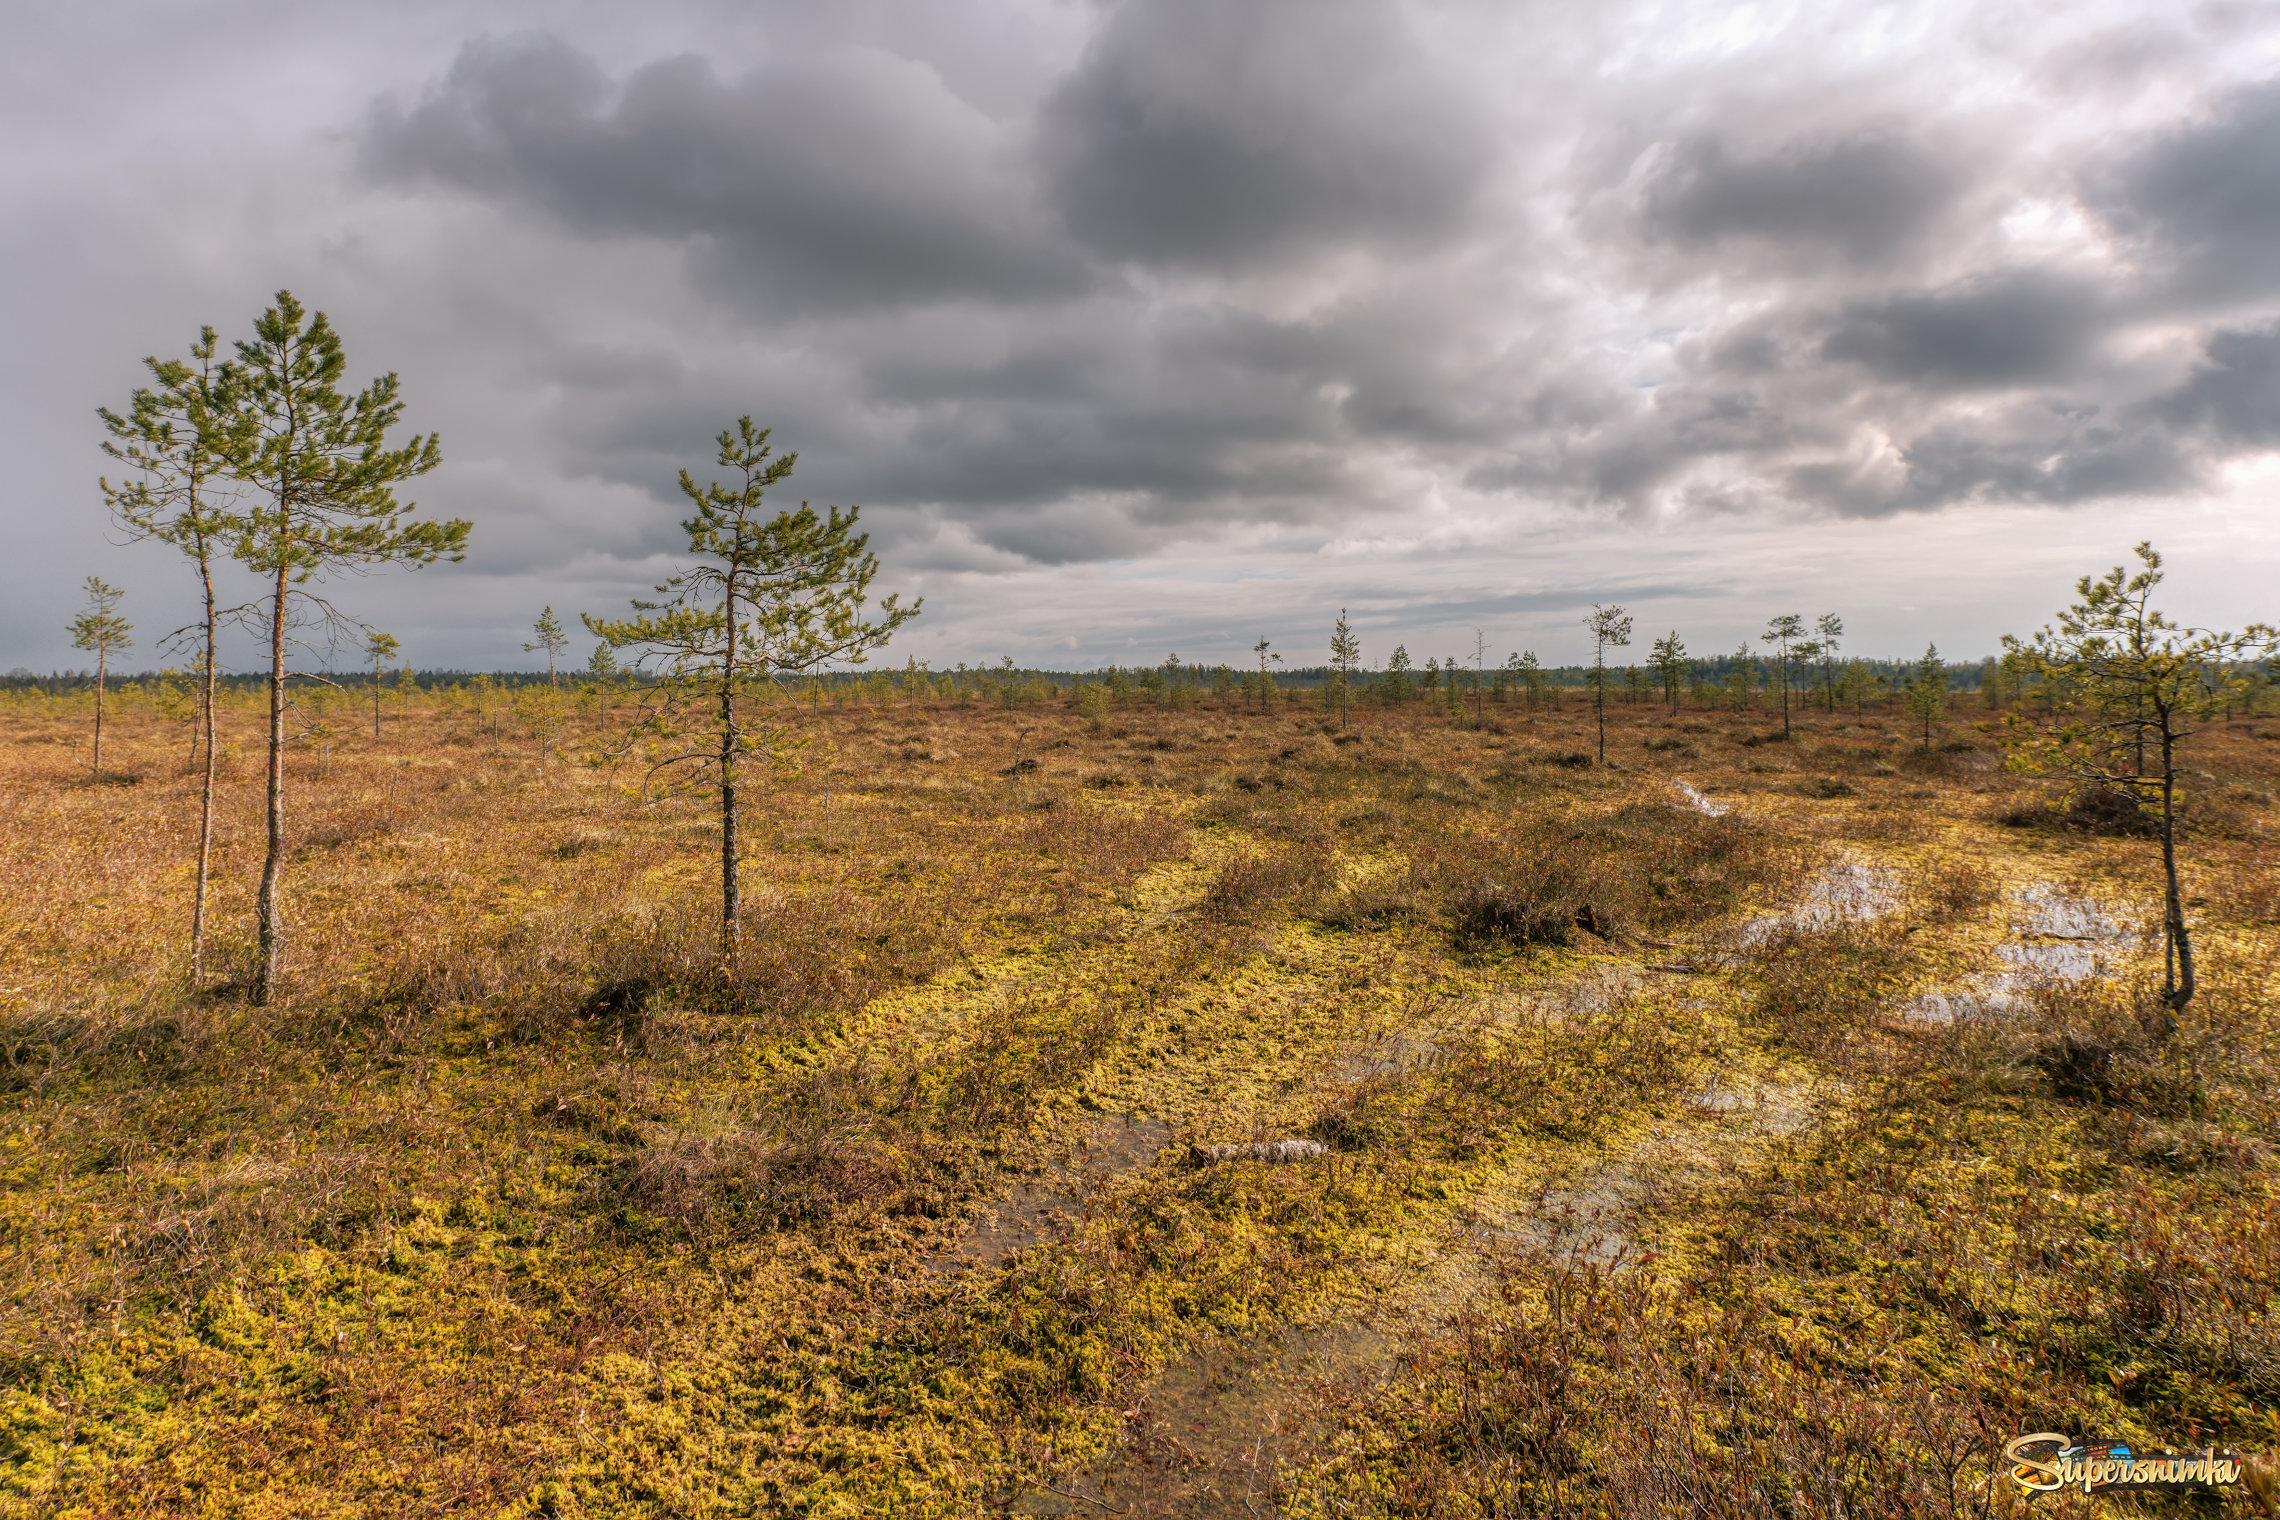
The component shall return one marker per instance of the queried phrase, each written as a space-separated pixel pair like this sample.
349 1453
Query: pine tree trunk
2179 992
1599 700
205 792
101 661
728 924
269 908
730 938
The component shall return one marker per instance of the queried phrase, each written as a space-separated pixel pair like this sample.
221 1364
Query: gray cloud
1867 198
1881 351
2203 199
2003 329
851 177
2042 454
2235 395
1194 132
1115 305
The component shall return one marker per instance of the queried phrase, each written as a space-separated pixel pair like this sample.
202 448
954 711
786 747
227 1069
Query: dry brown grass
519 1197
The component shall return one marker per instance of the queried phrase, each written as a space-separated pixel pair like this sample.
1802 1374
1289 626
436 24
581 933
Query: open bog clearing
1230 1113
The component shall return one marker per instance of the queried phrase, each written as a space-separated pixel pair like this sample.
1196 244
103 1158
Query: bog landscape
1753 1090
615 905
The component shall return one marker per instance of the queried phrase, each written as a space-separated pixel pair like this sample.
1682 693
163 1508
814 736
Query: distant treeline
59 682
1718 671
1721 681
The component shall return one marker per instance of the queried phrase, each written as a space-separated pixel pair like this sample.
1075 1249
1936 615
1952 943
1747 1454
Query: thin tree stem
206 788
268 905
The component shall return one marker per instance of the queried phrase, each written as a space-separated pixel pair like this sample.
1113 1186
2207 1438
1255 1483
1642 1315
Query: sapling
547 635
1530 670
2137 684
1927 692
1345 659
1784 631
768 597
101 631
1266 683
1396 678
379 648
1668 661
1832 630
1609 627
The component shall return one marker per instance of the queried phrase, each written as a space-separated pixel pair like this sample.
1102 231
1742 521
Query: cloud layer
1173 283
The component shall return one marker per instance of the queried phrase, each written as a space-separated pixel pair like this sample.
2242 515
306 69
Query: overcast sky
1162 326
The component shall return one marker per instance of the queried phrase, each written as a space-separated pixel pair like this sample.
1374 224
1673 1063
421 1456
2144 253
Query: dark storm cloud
2234 397
1202 133
2203 199
1002 349
1378 295
851 178
1998 330
1867 198
2042 455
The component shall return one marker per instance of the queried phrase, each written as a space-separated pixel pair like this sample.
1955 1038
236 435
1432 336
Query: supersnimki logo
2047 1462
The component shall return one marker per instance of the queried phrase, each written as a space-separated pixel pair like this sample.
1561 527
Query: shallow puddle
2052 913
2055 937
2061 959
1204 1439
1845 892
1038 1207
1571 999
1702 803
1586 1220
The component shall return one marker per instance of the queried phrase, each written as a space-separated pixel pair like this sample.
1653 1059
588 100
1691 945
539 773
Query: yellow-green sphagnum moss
1642 1157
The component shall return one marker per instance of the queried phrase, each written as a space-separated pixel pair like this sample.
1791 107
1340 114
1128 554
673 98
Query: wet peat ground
1195 1128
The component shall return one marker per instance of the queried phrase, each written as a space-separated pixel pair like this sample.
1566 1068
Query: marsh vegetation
1646 1171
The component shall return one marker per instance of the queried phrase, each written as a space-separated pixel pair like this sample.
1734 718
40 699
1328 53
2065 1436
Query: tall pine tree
321 482
176 434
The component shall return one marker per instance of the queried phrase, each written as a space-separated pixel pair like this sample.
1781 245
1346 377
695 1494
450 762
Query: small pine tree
768 597
1784 632
1479 673
1927 691
379 648
101 631
1266 682
1832 630
1530 670
2138 683
1345 659
548 635
1740 677
177 436
1610 627
1396 679
1667 660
